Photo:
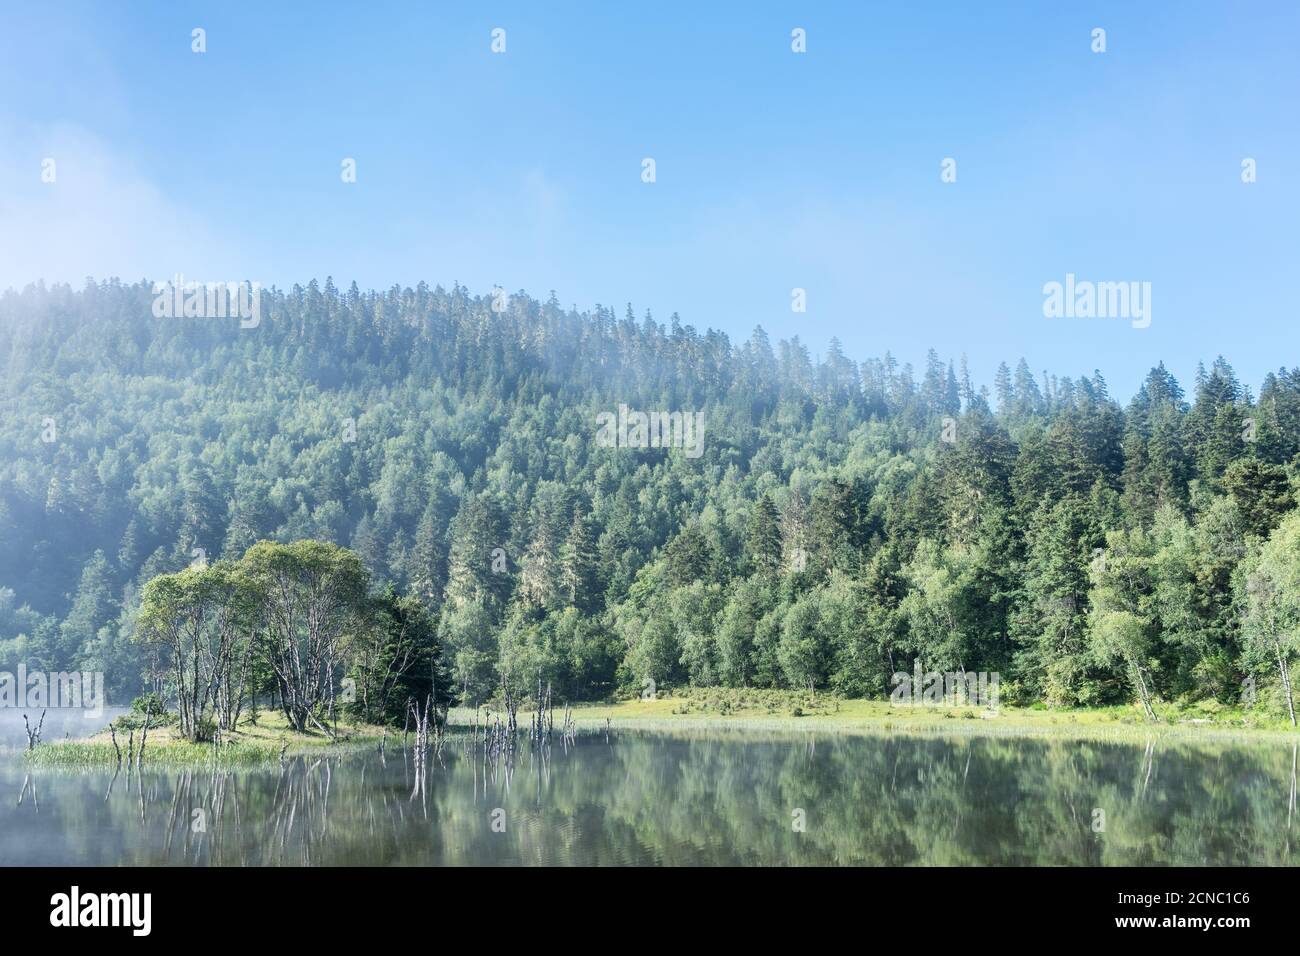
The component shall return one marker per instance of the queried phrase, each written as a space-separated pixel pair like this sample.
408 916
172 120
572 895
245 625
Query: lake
687 798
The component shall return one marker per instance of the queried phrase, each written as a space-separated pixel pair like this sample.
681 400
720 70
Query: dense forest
845 519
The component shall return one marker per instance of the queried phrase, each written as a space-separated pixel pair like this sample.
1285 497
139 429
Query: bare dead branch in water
143 737
34 736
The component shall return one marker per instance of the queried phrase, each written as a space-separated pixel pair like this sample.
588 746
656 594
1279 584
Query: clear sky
774 170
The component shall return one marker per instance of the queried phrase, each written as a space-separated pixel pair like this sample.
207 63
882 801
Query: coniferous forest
847 517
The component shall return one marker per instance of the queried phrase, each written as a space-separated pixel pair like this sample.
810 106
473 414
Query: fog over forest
845 516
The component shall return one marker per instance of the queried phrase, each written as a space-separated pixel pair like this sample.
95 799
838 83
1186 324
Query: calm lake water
682 798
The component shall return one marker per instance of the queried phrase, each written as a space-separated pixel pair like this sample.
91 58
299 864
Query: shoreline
254 743
696 711
738 711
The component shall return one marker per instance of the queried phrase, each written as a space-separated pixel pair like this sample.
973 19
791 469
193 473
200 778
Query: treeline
845 519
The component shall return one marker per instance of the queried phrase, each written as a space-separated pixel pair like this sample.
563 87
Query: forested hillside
1090 548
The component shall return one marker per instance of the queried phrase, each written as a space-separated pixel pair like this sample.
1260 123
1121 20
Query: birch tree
1271 626
202 618
1122 623
311 594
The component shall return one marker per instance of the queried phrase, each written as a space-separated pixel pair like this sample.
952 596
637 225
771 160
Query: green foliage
1271 585
396 658
148 705
420 471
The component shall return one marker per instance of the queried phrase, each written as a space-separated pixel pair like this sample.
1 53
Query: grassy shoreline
710 710
753 710
252 743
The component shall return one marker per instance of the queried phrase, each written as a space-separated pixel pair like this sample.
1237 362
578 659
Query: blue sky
774 170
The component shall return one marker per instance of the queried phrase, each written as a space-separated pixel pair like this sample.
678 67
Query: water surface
680 798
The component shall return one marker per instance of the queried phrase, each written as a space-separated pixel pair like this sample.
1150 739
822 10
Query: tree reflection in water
680 798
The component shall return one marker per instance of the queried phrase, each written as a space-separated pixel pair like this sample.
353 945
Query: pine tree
429 556
1003 390
578 570
201 513
480 567
763 545
1050 622
834 528
690 556
92 607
